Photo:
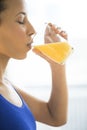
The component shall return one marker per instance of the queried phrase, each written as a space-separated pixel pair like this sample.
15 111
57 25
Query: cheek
20 33
13 37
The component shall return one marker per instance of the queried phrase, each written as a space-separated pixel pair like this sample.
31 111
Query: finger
58 30
64 34
49 39
55 28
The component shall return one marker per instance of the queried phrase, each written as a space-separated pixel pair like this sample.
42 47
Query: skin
15 32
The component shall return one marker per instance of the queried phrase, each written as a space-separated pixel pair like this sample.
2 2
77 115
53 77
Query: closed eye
20 22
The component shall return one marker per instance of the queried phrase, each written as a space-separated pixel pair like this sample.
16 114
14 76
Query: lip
29 45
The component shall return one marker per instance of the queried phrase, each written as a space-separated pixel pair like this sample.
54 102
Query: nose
30 30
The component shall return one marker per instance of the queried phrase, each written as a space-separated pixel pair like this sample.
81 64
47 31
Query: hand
53 34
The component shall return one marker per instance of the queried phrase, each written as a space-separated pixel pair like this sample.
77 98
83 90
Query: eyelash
20 22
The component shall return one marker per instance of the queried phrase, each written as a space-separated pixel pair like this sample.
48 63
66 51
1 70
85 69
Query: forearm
58 101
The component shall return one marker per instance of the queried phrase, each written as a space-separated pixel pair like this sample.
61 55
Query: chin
21 57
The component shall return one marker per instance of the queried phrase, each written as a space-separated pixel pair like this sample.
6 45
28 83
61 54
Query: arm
53 112
58 100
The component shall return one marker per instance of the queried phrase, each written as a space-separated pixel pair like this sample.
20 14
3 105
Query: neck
3 63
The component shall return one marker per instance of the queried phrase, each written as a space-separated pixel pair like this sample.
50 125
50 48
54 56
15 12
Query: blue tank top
13 117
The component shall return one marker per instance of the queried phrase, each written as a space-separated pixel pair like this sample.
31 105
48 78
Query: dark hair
2 5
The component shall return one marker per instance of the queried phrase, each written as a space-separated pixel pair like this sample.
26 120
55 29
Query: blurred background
33 73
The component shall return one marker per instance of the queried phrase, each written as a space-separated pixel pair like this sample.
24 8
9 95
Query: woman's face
15 30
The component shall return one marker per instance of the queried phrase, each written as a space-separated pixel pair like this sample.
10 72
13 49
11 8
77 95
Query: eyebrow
21 13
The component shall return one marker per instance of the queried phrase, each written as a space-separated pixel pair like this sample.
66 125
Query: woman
15 41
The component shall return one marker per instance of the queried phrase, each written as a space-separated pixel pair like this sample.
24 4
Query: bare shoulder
34 104
38 107
1 89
